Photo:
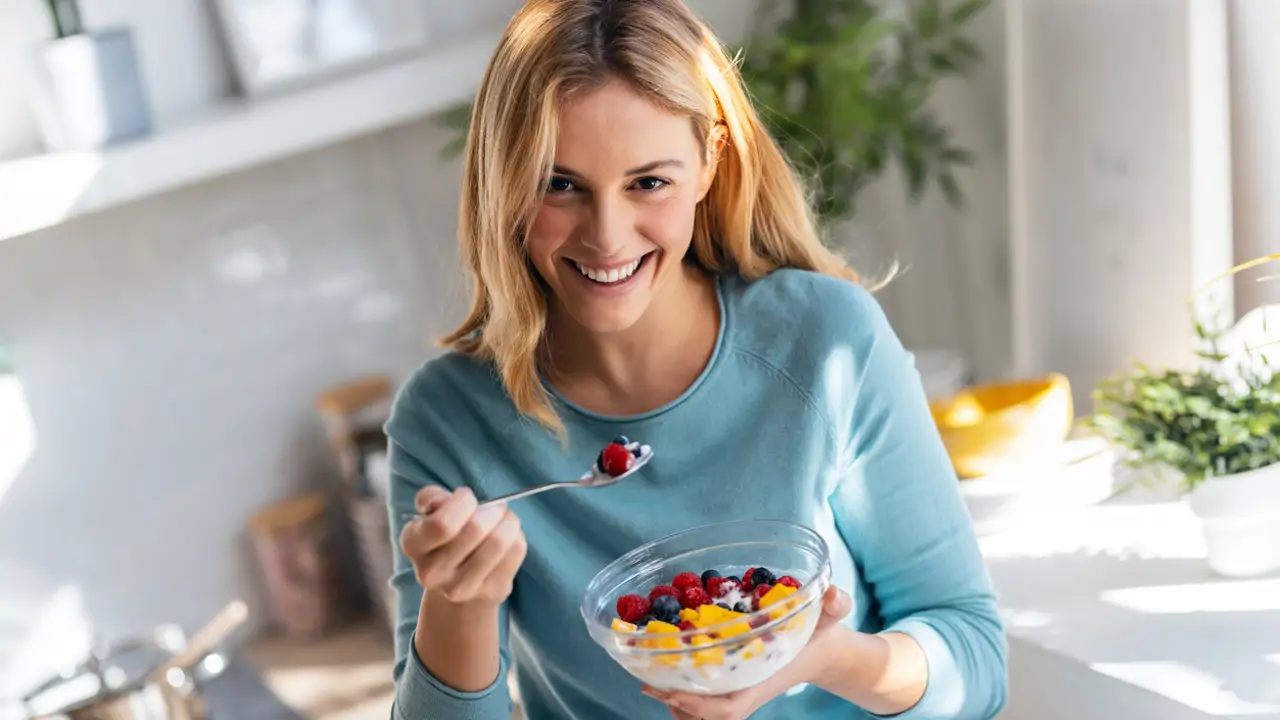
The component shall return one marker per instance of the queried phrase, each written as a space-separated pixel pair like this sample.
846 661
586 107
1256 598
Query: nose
610 226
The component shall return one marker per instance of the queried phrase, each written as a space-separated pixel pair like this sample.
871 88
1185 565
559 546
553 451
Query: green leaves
1218 420
845 87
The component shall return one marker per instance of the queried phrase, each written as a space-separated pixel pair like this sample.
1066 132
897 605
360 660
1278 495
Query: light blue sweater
809 411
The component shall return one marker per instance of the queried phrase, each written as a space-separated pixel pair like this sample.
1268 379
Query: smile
611 276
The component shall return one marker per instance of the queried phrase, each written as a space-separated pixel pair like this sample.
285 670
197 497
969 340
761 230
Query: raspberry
686 580
663 590
694 598
633 608
757 593
720 587
615 460
789 582
685 625
747 583
757 622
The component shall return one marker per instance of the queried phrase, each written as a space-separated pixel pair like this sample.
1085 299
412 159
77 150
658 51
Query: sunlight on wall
17 432
60 636
1189 686
1225 596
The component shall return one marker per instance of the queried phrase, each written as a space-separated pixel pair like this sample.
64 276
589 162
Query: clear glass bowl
725 657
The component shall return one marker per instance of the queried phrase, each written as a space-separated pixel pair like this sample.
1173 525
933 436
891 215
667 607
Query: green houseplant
1216 428
844 85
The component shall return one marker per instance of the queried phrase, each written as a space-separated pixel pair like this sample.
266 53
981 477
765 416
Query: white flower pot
1241 519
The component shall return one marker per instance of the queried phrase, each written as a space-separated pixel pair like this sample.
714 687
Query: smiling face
618 214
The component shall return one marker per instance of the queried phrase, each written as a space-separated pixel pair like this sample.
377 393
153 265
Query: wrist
840 654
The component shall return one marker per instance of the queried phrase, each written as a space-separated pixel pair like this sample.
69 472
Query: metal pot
156 677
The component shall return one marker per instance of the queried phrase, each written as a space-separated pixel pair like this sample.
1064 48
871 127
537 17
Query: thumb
836 604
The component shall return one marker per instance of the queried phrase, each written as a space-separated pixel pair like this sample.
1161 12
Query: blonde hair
756 217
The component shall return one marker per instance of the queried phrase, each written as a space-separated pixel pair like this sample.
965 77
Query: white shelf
47 190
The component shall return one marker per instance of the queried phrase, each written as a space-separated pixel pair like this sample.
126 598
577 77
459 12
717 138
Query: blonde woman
645 264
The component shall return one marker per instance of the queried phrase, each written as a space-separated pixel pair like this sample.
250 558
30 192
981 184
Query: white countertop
1111 609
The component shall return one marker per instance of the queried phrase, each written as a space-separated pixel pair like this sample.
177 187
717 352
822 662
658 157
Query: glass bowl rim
823 572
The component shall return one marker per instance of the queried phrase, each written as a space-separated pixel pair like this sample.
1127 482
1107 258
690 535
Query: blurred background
227 233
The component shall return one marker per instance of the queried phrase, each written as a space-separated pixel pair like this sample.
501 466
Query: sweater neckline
712 365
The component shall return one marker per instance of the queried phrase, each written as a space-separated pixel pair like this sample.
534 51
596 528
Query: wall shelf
47 190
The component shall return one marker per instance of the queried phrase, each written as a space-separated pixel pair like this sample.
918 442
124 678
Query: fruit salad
618 457
723 631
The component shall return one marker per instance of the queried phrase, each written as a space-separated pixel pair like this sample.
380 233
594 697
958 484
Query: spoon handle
526 493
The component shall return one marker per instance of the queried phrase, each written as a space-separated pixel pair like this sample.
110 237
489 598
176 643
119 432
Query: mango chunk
688 614
709 656
623 626
776 593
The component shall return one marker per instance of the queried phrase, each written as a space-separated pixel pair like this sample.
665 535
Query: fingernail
489 516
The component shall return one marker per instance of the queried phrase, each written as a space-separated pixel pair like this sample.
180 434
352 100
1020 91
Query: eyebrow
646 168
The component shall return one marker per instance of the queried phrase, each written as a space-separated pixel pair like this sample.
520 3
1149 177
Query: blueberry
600 462
635 451
762 577
666 608
622 440
708 575
647 619
742 607
736 579
722 605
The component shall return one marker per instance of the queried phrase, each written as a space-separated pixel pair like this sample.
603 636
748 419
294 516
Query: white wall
1103 152
1255 64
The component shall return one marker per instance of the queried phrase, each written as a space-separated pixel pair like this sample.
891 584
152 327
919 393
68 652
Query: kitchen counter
1111 610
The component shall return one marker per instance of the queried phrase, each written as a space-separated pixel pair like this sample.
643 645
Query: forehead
614 128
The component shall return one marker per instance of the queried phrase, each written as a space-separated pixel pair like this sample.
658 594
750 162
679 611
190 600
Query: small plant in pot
1216 429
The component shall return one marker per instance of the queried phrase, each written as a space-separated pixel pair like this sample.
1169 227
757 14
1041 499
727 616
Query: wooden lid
354 396
289 514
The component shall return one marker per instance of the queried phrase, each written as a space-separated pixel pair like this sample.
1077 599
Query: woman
646 265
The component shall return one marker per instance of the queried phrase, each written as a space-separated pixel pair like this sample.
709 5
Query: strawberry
663 590
633 608
686 580
694 598
615 459
789 581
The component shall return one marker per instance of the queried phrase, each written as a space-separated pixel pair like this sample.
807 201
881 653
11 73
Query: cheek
668 223
552 228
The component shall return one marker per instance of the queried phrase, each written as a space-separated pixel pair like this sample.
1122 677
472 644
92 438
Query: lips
609 276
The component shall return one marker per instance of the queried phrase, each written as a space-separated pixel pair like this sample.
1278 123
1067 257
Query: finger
428 533
430 497
496 560
444 563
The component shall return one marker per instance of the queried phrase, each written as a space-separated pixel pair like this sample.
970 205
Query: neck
649 364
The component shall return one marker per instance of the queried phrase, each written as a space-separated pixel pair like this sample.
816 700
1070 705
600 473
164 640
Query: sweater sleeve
419 695
898 506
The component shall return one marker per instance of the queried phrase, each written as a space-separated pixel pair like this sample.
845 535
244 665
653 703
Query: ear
716 144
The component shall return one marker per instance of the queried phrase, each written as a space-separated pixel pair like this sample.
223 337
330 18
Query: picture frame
281 45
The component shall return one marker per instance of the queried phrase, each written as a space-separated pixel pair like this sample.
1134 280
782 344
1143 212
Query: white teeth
609 277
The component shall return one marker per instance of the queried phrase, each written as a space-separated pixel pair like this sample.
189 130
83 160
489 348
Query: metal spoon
593 478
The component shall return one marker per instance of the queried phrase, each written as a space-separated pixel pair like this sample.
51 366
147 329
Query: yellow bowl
987 428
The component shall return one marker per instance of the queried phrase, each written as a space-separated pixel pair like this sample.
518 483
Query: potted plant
1215 430
88 88
844 86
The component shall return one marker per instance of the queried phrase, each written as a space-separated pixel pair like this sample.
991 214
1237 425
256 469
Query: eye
650 184
560 186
